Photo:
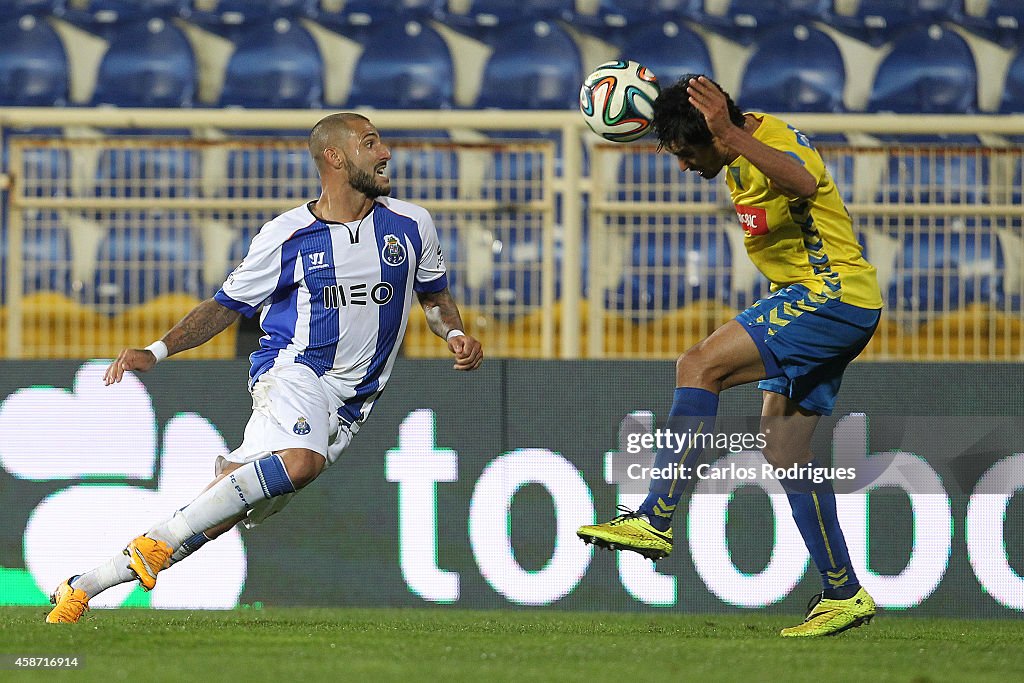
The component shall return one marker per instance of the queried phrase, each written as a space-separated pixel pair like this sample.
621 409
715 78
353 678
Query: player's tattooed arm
199 325
442 312
443 317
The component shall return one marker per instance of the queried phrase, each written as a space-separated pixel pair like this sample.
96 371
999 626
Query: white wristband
158 349
454 333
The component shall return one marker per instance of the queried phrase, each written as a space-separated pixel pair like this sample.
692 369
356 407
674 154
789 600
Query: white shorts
291 408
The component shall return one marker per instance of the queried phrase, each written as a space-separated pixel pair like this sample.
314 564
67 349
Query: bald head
330 131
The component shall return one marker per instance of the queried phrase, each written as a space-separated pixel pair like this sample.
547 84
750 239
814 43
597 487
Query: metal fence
557 246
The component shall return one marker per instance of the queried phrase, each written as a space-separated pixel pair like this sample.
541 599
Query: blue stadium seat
230 18
135 264
149 64
930 71
1013 87
535 65
276 65
360 13
745 21
613 17
240 246
46 172
1003 23
794 69
417 76
105 16
943 269
878 21
668 49
410 165
700 251
166 173
17 8
513 178
33 66
272 173
46 256
514 278
656 178
488 14
946 177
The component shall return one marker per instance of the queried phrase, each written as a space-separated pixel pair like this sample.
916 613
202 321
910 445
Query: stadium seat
794 69
367 12
746 21
940 269
419 75
535 65
230 18
485 14
878 21
18 8
163 172
1013 87
136 264
45 256
45 172
33 66
672 267
421 173
105 16
272 173
149 64
614 17
930 71
668 49
917 176
1003 23
511 279
656 178
276 65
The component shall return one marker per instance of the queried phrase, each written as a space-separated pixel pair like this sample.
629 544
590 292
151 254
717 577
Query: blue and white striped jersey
336 296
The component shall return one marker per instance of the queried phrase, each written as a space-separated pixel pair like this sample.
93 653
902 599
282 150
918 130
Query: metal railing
560 246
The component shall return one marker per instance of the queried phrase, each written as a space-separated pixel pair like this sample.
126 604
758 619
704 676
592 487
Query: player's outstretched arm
786 174
443 318
199 326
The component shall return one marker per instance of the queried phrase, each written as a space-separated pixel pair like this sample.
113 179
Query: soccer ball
617 100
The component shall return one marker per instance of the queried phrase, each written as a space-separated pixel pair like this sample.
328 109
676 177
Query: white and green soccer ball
617 100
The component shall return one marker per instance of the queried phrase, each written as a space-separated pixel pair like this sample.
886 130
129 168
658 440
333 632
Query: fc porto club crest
301 427
393 252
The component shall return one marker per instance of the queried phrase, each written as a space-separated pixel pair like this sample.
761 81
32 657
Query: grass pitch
293 645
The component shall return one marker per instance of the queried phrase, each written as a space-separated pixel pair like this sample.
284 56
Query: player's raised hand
139 360
468 352
711 102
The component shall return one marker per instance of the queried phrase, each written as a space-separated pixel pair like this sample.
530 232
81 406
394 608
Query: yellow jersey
800 241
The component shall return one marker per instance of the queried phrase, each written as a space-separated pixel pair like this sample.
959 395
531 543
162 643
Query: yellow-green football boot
827 617
629 531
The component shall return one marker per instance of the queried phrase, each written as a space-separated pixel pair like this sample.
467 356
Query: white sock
229 497
111 573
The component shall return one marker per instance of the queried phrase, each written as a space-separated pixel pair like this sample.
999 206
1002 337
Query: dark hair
677 122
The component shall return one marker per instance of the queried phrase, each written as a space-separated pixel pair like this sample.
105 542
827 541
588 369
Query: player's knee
696 368
302 465
779 455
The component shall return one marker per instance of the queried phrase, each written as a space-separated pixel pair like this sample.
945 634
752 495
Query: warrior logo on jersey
301 427
393 252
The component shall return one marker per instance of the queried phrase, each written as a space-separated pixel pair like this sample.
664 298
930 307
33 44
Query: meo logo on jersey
393 252
753 219
336 296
